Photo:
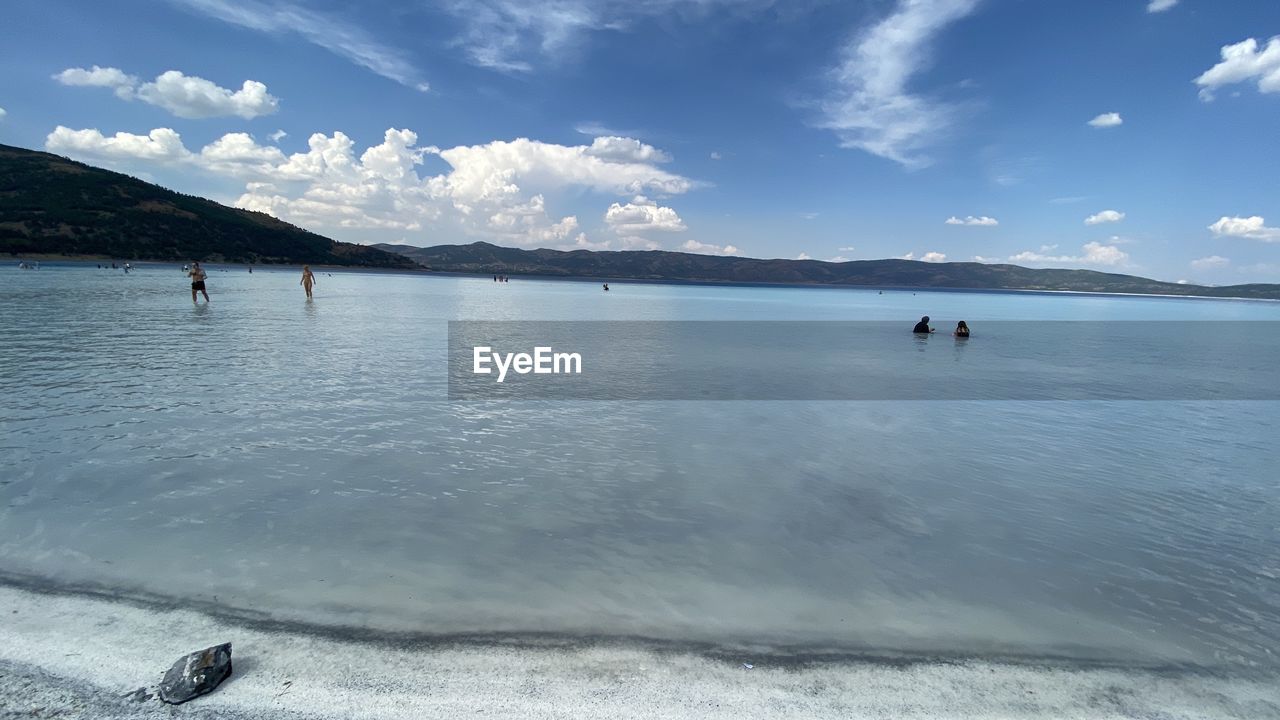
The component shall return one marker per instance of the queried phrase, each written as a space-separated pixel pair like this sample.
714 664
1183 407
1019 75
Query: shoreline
75 655
673 282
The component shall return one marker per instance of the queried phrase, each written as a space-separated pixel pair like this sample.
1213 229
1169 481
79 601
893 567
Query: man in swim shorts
198 275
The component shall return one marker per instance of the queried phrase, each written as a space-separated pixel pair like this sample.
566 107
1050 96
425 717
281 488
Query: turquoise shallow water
299 459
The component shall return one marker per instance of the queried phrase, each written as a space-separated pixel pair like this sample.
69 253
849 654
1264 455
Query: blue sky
1137 136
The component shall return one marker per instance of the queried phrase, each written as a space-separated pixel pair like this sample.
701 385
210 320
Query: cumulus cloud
1244 62
803 256
626 149
1210 263
341 37
971 220
186 96
161 145
123 84
642 215
1106 216
694 246
1106 120
1156 6
935 257
497 190
872 108
278 135
1093 253
1253 228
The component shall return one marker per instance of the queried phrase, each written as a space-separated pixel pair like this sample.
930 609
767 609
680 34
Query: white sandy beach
73 656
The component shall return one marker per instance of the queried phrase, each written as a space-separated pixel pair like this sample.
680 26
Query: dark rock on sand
196 674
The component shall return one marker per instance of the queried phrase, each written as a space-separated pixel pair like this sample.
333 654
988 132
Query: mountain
487 259
50 205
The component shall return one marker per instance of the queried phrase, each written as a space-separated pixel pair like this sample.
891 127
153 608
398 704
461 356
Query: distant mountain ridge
50 205
656 265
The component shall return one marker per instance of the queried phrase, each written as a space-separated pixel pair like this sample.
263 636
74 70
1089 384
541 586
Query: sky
1133 136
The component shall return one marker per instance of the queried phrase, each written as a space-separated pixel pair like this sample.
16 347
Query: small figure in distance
250 269
307 280
606 287
198 275
962 330
922 327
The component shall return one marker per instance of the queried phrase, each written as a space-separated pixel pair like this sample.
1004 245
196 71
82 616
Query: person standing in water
198 276
962 330
307 280
922 327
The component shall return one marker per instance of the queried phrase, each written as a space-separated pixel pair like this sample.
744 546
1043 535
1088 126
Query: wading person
922 327
308 280
198 275
962 329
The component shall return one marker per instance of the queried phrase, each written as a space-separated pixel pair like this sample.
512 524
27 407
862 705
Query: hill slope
54 206
660 265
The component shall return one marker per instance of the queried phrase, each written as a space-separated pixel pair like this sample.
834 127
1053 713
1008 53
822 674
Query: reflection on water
303 463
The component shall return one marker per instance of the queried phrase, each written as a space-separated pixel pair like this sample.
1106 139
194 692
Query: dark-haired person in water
922 327
198 276
307 280
962 330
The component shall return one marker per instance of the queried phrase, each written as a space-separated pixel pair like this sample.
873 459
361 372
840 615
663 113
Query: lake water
301 459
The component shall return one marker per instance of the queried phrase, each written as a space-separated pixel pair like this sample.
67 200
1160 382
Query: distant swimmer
962 330
606 287
250 269
922 327
307 280
198 276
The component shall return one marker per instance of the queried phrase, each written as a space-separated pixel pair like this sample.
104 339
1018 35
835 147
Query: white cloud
838 259
642 215
871 108
161 145
694 246
497 190
1068 200
338 36
934 257
1093 253
3 112
1210 263
716 156
278 135
847 248
1254 228
809 215
626 149
194 98
186 96
1106 120
597 129
1242 62
1156 6
981 259
123 84
1106 216
971 220
803 256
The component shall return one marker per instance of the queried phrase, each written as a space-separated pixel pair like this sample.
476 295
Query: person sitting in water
606 287
962 330
922 327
